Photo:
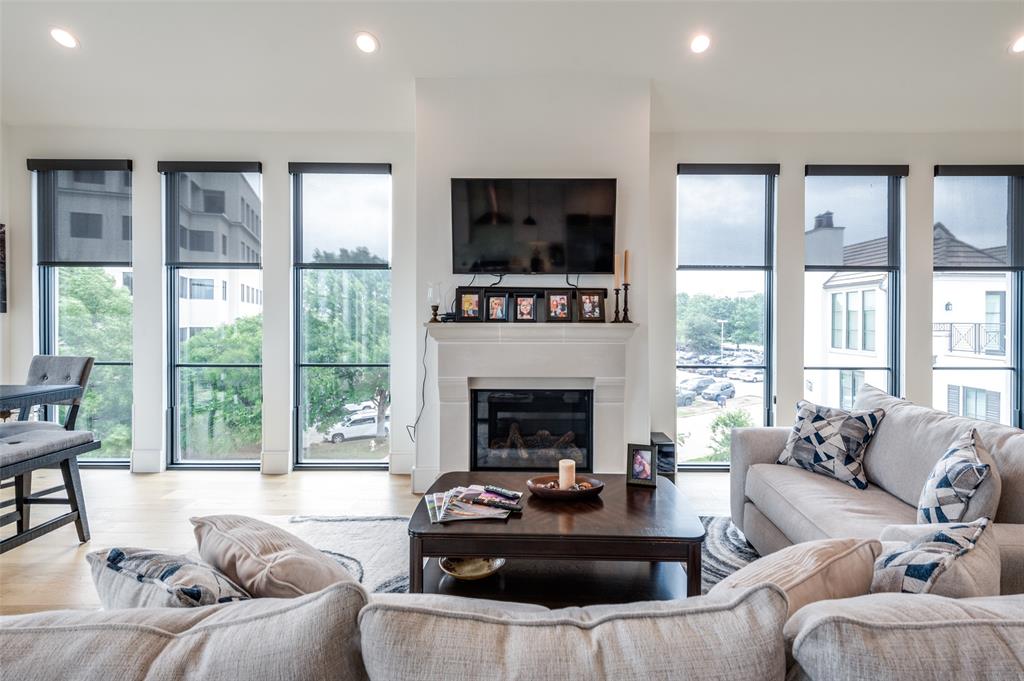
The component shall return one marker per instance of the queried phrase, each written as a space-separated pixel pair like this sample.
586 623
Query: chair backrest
61 370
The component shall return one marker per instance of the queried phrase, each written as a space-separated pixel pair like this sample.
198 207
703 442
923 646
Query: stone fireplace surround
461 357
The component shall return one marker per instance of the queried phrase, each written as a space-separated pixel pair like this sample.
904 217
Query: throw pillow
811 571
831 441
267 561
140 578
958 560
953 481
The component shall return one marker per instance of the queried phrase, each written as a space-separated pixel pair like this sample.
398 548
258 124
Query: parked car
684 398
745 375
360 425
712 392
696 384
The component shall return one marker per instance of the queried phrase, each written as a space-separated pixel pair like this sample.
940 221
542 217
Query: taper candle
618 264
625 267
566 473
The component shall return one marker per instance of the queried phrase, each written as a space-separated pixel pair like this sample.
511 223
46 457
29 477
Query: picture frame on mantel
524 308
590 305
558 305
469 304
496 307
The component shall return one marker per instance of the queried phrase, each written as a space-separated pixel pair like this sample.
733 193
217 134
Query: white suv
360 425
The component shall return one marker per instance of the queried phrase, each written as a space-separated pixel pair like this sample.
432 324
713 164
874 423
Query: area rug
376 549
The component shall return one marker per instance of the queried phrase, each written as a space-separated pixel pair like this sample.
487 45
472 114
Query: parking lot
694 421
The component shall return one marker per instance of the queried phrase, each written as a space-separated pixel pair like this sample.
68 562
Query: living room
283 273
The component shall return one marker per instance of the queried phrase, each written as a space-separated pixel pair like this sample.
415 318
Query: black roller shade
209 167
858 170
44 164
727 169
978 171
341 168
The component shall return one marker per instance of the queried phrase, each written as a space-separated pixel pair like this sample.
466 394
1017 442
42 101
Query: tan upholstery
762 533
751 446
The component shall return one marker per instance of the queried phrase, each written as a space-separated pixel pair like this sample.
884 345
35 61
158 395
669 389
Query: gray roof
948 252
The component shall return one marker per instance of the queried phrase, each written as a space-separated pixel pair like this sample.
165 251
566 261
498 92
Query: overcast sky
973 208
346 211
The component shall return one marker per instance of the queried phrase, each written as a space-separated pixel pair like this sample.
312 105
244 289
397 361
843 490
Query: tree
721 433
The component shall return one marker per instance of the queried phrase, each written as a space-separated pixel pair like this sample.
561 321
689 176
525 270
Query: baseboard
400 463
276 462
423 478
148 461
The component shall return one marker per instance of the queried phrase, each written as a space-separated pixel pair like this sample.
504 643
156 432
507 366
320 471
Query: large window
216 341
725 223
851 250
977 292
342 250
85 288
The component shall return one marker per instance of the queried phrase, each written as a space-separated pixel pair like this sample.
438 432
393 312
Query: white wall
534 127
275 150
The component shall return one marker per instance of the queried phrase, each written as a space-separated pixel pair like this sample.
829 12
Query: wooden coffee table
627 544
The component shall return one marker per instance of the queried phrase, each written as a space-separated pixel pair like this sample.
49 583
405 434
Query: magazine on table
458 504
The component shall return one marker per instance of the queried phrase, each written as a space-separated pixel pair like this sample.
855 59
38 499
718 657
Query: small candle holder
616 320
625 305
433 314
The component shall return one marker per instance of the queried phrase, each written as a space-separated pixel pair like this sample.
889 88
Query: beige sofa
776 505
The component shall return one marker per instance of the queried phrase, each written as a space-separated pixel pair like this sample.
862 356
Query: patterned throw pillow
140 578
953 481
953 561
831 441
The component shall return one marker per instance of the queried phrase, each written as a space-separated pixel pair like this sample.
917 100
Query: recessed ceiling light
700 43
64 37
367 42
1018 45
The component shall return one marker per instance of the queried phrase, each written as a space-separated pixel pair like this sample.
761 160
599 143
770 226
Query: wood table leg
693 571
415 565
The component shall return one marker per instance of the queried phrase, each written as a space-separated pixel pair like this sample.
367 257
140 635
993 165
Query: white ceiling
788 66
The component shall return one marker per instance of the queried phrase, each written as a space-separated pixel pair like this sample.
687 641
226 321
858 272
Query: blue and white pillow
953 481
141 578
831 441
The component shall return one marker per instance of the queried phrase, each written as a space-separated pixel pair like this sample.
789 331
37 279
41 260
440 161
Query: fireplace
531 429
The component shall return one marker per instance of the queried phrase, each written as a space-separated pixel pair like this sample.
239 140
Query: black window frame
172 187
45 171
770 172
297 170
1014 269
896 175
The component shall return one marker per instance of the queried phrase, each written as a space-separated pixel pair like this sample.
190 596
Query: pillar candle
566 473
618 264
625 267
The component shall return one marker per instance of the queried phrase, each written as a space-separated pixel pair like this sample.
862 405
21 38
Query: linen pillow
953 481
265 560
831 441
958 560
140 578
812 571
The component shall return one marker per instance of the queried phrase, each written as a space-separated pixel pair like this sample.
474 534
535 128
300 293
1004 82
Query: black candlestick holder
616 320
625 305
433 314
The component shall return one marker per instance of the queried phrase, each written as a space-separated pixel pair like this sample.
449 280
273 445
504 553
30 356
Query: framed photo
641 465
497 307
590 305
558 305
469 304
524 307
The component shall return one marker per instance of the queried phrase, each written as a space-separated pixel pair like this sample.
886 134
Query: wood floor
153 510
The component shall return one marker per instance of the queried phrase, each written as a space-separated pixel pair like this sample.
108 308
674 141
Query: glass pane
220 316
972 221
846 319
708 407
972 319
346 218
345 414
218 217
107 411
838 387
720 317
92 209
846 220
984 395
94 312
345 316
721 219
219 414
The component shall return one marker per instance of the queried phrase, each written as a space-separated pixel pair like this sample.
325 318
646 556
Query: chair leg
22 488
76 497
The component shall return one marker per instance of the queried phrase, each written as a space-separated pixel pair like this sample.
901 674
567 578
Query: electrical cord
569 283
500 278
411 430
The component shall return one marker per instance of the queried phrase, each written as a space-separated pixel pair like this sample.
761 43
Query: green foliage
698 329
721 432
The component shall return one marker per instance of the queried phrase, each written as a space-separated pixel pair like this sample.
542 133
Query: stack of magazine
458 504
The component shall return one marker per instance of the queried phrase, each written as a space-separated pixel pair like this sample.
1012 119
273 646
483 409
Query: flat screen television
533 226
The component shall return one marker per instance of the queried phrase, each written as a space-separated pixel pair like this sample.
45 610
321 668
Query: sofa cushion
831 441
910 637
912 438
807 506
1010 539
734 636
811 571
263 559
957 475
311 637
142 578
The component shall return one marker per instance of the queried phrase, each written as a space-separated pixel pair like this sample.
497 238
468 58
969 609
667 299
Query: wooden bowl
536 487
469 569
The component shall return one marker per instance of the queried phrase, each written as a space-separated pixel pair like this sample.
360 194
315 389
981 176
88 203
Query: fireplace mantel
463 356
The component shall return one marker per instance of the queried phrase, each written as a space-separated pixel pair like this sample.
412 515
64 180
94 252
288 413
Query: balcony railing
972 337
